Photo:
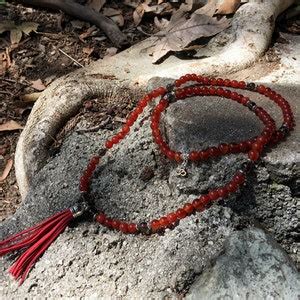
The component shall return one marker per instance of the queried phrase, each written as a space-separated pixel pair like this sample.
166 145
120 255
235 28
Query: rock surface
253 266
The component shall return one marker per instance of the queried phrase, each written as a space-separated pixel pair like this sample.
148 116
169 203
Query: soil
42 56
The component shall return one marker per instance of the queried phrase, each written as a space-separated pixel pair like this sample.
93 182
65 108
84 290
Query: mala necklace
38 238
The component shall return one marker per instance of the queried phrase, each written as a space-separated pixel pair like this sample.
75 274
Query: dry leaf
10 125
115 15
87 50
228 7
6 170
96 4
16 31
38 85
30 97
208 9
119 20
77 24
143 8
181 32
87 33
161 24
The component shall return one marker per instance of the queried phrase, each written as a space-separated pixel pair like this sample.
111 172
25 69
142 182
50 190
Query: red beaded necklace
38 238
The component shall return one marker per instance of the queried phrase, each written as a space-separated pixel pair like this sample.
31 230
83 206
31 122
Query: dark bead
144 228
246 167
284 129
251 86
170 87
170 97
251 105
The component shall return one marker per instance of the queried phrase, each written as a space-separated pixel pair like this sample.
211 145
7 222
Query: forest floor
61 45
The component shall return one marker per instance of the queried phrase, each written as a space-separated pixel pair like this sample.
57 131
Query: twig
74 60
95 128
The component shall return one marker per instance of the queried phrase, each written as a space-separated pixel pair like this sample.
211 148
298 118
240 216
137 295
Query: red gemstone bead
257 146
163 222
123 227
172 217
108 222
242 84
232 187
132 228
115 140
253 155
239 178
213 195
193 156
180 213
109 144
100 218
155 225
115 224
188 208
223 192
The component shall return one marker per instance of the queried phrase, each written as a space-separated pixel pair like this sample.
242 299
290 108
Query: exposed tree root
83 13
252 30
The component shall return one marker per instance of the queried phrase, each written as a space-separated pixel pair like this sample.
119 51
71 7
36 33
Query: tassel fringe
35 241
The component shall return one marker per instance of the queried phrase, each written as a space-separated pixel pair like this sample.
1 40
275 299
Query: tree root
252 29
85 14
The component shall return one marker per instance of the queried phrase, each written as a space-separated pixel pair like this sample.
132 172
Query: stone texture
253 266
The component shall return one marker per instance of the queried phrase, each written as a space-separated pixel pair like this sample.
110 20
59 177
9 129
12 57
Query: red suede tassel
36 240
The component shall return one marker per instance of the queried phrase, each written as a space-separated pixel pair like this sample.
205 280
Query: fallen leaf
208 9
161 24
30 97
109 12
163 8
181 32
16 31
96 4
119 20
87 50
15 36
132 3
228 7
28 27
38 85
10 125
87 33
6 170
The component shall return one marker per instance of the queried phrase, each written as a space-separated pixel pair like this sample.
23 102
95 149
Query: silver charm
181 170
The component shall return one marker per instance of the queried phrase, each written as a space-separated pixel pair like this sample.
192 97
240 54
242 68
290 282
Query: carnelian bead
253 155
193 156
108 222
239 178
223 192
115 140
227 82
115 224
188 208
213 151
178 157
257 146
109 144
177 83
180 213
125 129
139 109
220 81
163 222
155 225
170 154
132 228
234 83
94 160
161 90
172 217
123 227
232 187
242 84
100 218
213 195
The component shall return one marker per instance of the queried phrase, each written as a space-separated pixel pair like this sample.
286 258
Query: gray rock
253 266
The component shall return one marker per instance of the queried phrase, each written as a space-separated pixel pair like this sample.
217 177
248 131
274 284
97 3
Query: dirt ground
60 45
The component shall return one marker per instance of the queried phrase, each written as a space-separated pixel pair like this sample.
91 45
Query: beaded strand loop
201 86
